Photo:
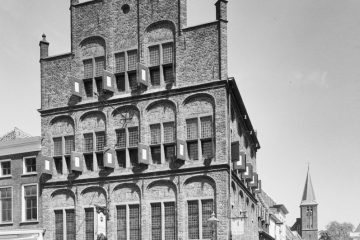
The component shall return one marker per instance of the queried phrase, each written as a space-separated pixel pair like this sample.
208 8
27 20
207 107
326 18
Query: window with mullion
134 217
170 221
30 165
88 86
59 225
168 73
120 62
89 224
99 66
100 141
156 221
88 68
6 204
155 132
155 76
69 144
168 53
169 140
57 146
30 202
132 60
193 219
133 136
70 225
121 223
206 211
88 145
121 138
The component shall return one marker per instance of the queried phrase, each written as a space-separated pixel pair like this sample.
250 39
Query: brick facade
200 90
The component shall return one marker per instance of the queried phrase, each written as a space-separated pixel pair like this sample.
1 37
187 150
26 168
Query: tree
337 231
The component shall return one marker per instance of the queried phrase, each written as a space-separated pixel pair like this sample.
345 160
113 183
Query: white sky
297 66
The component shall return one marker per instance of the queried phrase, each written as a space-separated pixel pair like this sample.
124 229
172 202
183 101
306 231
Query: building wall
16 181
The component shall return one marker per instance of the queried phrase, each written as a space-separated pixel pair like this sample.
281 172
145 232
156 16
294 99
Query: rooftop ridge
16 133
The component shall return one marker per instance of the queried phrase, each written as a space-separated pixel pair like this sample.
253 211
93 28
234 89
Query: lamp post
213 221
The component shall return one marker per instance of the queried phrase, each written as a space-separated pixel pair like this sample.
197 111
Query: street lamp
213 221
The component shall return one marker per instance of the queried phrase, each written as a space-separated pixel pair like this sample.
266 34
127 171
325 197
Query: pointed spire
308 197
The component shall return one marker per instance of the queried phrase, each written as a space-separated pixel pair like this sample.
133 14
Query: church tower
308 211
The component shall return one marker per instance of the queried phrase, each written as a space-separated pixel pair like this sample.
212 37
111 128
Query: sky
296 63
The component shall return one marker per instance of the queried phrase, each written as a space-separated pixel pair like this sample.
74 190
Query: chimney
221 10
44 47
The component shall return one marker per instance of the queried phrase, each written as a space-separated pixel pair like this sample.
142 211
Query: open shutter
258 189
142 75
109 158
254 181
77 86
143 154
108 81
76 163
46 164
181 150
235 148
249 172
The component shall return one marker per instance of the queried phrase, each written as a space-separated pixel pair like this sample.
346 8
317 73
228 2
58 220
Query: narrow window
169 140
30 198
168 74
193 219
132 60
99 87
57 146
100 141
88 143
133 136
121 157
58 165
99 66
154 55
89 224
170 224
155 76
59 225
132 80
121 222
88 86
70 225
168 53
5 168
30 165
134 215
120 62
121 138
69 145
192 135
89 162
120 82
207 209
6 205
88 68
155 134
206 137
156 221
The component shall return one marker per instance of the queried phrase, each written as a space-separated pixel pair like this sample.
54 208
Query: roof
14 134
357 229
308 197
282 208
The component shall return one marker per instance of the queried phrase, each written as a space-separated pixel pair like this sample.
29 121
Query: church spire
308 197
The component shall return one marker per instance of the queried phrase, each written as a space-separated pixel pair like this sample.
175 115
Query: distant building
307 224
20 215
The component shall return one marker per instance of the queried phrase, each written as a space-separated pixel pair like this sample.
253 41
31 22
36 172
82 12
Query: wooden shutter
46 164
249 172
77 87
254 181
109 158
108 81
76 163
143 154
181 150
258 189
142 75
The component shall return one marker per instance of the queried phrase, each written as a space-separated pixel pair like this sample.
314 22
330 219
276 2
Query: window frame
25 172
126 72
63 210
23 203
12 206
95 77
127 148
200 212
162 144
199 140
127 218
1 168
162 216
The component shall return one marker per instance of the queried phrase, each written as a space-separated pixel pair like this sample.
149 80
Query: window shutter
77 86
241 163
235 148
254 181
249 172
181 150
46 164
142 75
109 158
76 163
143 154
108 81
258 189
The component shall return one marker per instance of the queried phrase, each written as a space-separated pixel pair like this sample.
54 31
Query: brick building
20 216
146 133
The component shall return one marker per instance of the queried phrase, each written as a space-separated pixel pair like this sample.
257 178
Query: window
125 68
70 225
59 225
89 224
161 67
162 144
65 224
163 219
199 209
127 140
202 137
128 222
93 70
100 141
30 203
5 168
57 146
88 143
6 205
69 145
29 165
63 145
